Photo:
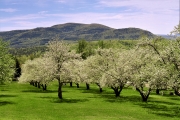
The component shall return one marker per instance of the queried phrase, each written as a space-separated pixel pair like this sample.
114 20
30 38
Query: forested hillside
70 32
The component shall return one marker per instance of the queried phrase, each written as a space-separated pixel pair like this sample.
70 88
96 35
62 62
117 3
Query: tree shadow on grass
8 96
175 98
109 96
93 91
161 109
65 100
132 99
41 91
48 97
165 103
69 100
4 90
3 85
2 103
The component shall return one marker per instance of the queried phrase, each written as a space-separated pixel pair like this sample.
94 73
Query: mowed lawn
26 102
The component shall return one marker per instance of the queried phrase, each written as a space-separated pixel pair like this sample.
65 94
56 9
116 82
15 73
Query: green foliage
28 50
24 54
7 63
82 44
85 48
116 44
101 44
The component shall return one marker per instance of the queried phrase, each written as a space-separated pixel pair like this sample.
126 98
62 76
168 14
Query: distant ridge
70 32
170 37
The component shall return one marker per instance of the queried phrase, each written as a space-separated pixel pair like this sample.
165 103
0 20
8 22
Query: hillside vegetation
71 32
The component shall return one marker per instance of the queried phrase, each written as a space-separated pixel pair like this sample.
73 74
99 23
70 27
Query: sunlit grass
25 102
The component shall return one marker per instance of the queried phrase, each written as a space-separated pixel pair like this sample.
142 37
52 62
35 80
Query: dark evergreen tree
17 69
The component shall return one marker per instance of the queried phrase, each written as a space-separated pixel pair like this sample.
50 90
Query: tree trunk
100 90
44 86
60 89
176 91
38 84
31 83
70 84
144 95
35 84
87 86
77 85
117 90
157 91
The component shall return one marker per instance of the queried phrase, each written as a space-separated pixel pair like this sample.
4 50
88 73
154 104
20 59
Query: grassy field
25 102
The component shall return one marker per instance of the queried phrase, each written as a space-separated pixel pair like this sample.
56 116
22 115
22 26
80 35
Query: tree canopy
7 63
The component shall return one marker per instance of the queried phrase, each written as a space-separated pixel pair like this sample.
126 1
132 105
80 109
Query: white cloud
158 6
8 10
61 1
41 3
42 12
114 3
28 17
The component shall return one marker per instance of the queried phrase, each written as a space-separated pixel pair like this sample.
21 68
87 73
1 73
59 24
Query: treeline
27 50
127 44
81 46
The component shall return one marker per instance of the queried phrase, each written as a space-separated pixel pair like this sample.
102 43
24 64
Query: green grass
25 102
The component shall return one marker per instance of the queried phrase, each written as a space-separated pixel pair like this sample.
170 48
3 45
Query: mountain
70 32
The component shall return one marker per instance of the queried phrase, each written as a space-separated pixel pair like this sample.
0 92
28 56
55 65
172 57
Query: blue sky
157 16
